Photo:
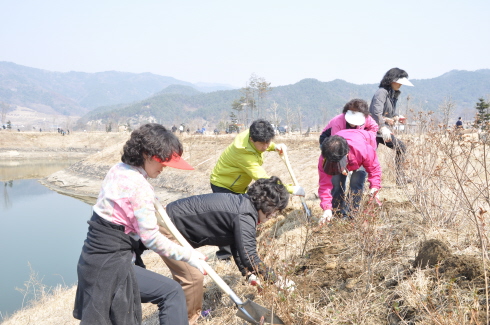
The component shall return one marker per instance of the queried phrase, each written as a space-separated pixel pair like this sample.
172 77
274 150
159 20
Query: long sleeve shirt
127 199
239 164
362 152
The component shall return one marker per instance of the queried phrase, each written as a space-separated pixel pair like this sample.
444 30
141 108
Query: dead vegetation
420 258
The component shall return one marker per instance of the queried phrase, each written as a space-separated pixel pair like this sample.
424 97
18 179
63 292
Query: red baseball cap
175 162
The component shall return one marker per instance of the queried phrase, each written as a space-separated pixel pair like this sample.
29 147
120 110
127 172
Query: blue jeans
343 204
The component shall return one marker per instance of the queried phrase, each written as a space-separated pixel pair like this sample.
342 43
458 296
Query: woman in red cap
110 287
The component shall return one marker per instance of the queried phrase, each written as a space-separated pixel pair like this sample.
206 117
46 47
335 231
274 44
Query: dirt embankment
83 178
52 145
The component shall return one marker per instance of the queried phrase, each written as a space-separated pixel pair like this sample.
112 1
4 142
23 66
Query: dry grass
358 272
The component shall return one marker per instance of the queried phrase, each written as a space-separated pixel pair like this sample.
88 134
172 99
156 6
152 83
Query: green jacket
239 164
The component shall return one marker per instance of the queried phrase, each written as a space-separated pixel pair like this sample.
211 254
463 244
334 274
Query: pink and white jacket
362 152
126 198
339 123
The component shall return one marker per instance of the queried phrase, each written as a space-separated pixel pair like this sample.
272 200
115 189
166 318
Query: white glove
386 134
327 216
287 285
253 280
195 261
281 148
374 192
299 191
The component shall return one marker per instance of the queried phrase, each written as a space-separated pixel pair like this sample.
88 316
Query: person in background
384 112
225 219
459 123
348 150
110 287
241 162
355 115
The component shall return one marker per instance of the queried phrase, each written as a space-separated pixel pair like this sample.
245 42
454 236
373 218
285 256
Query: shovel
249 310
285 158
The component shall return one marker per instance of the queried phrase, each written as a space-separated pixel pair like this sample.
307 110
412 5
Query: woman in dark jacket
222 219
384 112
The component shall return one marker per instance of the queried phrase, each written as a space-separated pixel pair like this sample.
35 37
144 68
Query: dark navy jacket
220 219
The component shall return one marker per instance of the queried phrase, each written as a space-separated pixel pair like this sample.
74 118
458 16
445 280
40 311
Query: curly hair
261 131
152 140
357 105
268 194
392 75
334 148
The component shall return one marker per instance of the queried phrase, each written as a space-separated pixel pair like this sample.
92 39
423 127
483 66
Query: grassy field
420 258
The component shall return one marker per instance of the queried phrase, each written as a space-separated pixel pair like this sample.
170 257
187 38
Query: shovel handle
164 220
285 158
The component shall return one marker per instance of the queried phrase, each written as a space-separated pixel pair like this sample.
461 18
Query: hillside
318 101
420 258
75 93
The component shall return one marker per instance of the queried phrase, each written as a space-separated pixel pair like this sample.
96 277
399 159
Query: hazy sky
226 41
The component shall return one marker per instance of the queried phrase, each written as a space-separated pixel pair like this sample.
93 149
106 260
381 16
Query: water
39 227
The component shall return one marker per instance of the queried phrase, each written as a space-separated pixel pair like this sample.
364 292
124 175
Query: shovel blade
252 312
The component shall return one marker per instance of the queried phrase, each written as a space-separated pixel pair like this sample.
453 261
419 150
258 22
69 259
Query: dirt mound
463 268
431 253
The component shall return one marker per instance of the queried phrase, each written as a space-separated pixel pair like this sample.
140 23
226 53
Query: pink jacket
338 123
362 152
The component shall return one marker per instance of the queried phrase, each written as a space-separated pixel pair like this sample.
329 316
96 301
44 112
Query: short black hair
268 195
261 131
357 105
151 139
392 75
334 148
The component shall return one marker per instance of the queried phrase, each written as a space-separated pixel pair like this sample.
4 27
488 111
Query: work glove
253 280
327 216
281 148
298 190
195 260
385 133
285 284
374 192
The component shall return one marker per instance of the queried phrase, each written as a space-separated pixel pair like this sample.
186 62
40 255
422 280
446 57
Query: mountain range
76 93
318 101
120 97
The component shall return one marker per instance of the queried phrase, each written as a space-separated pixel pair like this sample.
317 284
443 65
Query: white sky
226 41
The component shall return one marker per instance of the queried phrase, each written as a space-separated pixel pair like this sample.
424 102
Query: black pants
166 293
224 252
400 149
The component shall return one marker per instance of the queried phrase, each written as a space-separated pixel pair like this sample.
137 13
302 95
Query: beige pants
191 280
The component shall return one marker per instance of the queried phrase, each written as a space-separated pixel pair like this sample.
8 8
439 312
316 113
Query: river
42 233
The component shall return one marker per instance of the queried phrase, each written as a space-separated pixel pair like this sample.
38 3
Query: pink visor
175 162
